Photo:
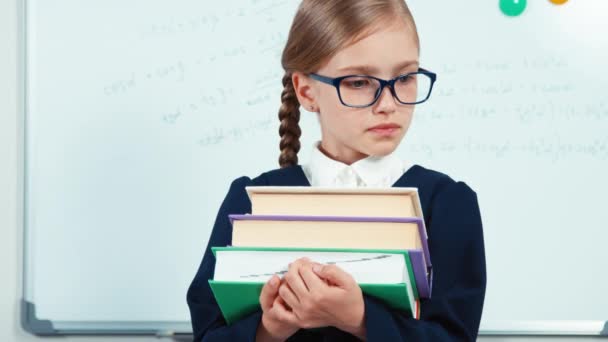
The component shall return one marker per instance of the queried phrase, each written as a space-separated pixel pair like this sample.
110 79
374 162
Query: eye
406 78
357 83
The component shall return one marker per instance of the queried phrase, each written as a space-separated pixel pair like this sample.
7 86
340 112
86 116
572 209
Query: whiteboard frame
39 326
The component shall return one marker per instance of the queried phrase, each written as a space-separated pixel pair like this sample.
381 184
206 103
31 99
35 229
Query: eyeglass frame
383 83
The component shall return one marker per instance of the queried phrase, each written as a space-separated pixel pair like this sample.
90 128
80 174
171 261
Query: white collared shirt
368 172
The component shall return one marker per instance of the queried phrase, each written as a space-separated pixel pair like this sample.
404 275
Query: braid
289 130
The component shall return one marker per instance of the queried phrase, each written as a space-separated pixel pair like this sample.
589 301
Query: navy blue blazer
454 226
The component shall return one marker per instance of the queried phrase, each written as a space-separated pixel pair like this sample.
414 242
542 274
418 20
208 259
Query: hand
277 323
323 295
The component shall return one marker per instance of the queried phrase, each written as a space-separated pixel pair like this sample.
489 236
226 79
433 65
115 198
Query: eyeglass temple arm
323 79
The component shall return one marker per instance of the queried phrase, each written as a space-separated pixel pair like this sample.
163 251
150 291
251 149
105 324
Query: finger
293 278
311 279
269 292
282 312
288 296
281 301
334 274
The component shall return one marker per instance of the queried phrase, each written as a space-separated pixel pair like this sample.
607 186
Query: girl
356 64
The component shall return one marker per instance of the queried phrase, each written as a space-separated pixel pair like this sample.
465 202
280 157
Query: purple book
420 258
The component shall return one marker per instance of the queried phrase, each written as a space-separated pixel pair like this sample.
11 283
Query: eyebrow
370 69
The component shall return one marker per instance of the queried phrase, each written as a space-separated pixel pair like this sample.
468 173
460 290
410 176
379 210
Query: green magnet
513 8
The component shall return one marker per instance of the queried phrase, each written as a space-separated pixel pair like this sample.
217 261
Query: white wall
10 195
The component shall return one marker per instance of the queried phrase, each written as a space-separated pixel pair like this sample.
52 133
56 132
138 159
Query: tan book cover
325 201
327 232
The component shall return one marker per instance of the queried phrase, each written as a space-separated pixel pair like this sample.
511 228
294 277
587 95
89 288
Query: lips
384 126
386 130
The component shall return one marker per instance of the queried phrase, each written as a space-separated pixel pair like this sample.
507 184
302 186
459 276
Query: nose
386 101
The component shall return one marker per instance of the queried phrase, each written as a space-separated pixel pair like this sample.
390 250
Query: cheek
334 116
407 121
349 124
406 117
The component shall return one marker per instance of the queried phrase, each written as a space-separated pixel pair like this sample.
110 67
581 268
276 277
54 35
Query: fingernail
317 268
273 281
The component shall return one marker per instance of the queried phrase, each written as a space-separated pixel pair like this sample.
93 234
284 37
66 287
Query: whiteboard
139 114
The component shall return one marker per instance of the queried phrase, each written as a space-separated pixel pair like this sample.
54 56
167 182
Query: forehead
382 52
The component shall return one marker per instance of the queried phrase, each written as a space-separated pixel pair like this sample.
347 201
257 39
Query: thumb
269 292
333 274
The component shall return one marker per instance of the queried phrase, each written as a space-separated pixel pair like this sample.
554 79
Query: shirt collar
373 171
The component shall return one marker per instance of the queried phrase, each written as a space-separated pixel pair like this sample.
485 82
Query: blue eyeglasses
361 91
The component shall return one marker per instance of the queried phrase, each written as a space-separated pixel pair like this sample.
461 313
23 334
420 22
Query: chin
381 149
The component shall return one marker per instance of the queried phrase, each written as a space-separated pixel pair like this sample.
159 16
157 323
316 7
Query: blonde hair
319 30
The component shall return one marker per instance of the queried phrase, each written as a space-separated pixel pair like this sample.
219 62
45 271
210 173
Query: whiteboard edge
545 328
33 325
39 327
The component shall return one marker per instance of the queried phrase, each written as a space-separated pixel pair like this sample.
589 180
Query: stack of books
376 235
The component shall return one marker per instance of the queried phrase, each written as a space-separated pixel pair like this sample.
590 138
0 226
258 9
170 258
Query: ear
305 91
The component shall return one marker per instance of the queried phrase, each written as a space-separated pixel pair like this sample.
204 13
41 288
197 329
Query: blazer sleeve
453 312
208 323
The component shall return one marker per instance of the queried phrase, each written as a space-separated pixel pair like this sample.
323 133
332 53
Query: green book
242 271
